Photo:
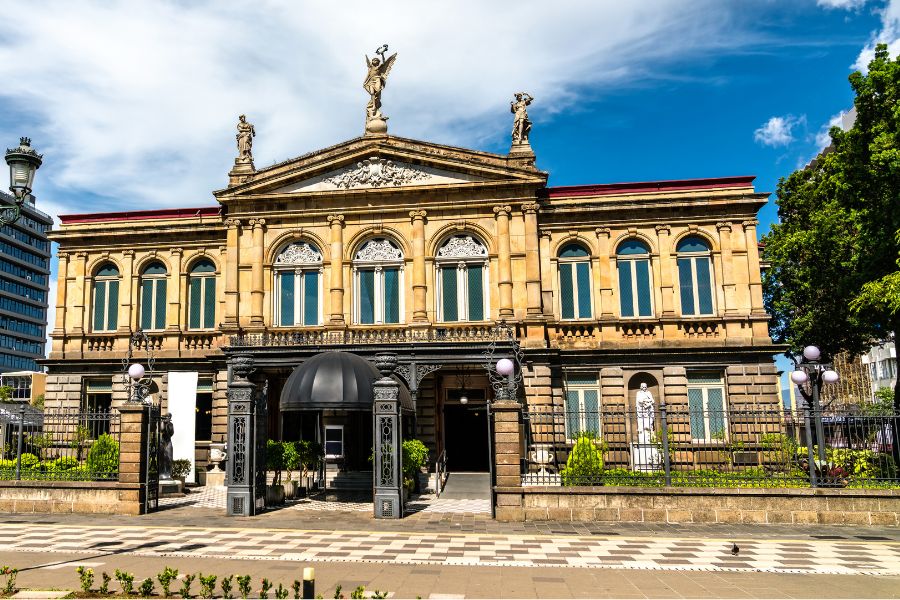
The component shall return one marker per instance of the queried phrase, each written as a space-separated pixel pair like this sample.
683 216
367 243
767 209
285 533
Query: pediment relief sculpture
376 172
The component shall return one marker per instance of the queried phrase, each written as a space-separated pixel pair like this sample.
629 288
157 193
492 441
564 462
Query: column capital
232 223
503 210
530 207
663 228
336 220
81 255
602 231
750 223
176 251
129 253
62 254
257 223
418 215
723 225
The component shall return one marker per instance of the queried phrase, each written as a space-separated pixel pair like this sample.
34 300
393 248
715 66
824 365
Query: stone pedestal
521 155
242 172
376 126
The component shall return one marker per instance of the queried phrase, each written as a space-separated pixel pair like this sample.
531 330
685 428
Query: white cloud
778 131
841 4
823 140
137 101
888 34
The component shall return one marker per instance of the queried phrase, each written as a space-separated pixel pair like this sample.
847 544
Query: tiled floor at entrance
214 497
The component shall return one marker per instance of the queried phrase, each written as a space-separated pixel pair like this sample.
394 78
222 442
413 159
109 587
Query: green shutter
287 298
566 291
112 312
583 271
476 293
194 303
391 295
146 304
573 414
642 273
695 407
716 406
592 411
99 305
367 297
310 298
209 302
448 293
161 304
626 297
686 283
704 288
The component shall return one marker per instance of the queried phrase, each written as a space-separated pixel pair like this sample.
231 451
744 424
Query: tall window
106 298
462 272
635 290
582 404
153 297
378 279
298 272
706 404
202 295
574 282
694 276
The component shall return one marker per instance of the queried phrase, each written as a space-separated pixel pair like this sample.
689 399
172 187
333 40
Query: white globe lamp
136 371
505 367
799 377
830 376
812 353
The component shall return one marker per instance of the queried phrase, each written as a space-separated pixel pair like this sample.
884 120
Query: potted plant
180 469
415 456
292 462
275 462
311 456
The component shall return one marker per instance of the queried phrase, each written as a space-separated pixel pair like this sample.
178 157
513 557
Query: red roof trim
142 215
604 189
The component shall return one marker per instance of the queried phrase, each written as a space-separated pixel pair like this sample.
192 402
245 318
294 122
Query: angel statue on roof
379 67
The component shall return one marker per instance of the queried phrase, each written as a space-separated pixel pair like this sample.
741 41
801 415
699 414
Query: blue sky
134 104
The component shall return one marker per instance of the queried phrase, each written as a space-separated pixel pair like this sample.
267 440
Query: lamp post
817 373
23 162
505 377
139 378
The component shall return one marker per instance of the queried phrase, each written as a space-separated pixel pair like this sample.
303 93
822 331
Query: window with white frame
635 282
706 405
153 297
574 282
377 282
462 273
695 276
334 441
298 285
202 295
106 298
582 404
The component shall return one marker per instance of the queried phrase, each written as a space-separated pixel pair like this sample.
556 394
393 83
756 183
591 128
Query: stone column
532 260
232 256
754 275
388 452
504 261
724 228
665 270
80 294
59 327
240 476
337 269
256 275
173 315
507 495
135 429
546 276
607 303
420 308
126 292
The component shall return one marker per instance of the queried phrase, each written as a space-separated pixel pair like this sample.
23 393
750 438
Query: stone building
385 243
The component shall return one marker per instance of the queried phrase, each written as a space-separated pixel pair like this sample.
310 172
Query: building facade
389 244
24 286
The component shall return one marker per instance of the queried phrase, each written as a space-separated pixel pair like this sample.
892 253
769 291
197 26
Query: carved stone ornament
375 172
386 363
462 246
379 250
298 254
242 366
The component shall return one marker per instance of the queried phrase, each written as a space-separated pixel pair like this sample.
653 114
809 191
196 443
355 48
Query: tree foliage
834 279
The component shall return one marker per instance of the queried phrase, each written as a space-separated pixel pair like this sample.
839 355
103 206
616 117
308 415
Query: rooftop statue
376 78
521 122
244 136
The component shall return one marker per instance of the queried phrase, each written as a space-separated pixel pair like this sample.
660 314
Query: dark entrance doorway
466 438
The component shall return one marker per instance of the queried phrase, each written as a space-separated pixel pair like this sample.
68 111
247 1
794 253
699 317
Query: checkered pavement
702 554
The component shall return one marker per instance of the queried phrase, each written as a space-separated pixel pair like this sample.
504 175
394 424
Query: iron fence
752 446
59 446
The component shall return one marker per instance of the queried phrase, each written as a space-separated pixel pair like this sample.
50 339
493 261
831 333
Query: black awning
335 380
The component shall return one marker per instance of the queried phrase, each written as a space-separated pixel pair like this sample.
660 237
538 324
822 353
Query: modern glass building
24 285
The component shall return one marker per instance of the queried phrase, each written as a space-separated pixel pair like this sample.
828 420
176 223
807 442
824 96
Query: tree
834 279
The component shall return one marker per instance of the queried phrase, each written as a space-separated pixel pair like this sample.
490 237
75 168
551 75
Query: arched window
106 298
462 272
574 282
635 290
202 295
153 297
378 279
695 276
298 272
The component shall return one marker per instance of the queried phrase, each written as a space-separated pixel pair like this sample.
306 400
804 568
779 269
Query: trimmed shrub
585 463
103 458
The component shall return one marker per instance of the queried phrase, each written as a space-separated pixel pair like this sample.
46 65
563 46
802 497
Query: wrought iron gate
151 460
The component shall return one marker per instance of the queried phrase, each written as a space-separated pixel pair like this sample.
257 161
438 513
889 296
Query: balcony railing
373 336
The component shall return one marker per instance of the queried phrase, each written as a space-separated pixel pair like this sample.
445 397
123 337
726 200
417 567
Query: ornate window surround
694 256
375 254
633 259
300 257
155 279
102 284
575 260
458 252
207 278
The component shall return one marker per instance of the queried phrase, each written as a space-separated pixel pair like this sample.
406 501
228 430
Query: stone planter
290 489
274 495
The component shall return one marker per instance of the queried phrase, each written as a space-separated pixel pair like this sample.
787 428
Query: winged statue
378 69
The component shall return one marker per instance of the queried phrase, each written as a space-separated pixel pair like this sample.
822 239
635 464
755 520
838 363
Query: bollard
309 582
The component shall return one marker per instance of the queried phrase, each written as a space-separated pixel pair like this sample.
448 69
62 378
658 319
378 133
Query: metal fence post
667 463
809 447
19 442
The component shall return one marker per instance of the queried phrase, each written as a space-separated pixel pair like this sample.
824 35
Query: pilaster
603 277
257 291
232 257
420 308
80 294
126 292
62 286
504 261
667 287
754 275
336 222
724 229
173 315
532 260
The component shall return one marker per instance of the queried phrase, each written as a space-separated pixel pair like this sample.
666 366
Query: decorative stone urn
386 363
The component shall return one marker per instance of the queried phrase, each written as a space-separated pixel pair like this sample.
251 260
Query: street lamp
23 162
504 375
139 378
811 370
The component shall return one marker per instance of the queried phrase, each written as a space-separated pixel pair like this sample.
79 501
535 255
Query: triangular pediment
383 163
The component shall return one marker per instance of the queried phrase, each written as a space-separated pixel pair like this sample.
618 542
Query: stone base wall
700 505
110 498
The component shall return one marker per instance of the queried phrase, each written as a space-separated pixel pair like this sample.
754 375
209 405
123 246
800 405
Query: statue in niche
165 448
645 414
245 135
376 78
521 122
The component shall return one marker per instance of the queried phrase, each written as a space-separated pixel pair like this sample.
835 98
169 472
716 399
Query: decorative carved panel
298 253
379 250
462 246
376 172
